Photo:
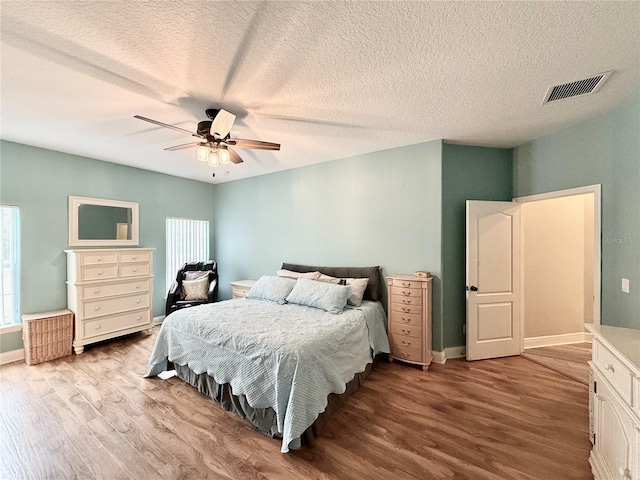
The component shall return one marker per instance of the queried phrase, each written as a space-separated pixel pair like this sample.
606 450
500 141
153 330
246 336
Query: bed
284 366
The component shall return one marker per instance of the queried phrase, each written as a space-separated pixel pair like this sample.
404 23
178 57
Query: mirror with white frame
98 222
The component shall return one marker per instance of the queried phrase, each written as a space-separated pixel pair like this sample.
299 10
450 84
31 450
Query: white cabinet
240 288
615 403
109 290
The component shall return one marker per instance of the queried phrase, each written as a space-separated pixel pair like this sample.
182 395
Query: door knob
473 288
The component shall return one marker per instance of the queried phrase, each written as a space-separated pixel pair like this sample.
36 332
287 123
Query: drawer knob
134 257
406 293
406 331
611 367
98 327
405 344
99 259
137 301
138 286
406 355
97 308
624 473
406 284
406 302
100 273
139 318
406 320
135 270
96 291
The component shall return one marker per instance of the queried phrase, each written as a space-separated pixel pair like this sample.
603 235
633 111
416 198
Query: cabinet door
614 433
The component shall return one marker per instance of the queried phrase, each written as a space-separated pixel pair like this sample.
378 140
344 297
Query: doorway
560 258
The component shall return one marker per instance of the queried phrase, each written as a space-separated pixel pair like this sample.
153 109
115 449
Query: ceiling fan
214 146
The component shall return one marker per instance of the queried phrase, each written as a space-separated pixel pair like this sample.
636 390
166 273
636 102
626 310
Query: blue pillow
274 289
325 296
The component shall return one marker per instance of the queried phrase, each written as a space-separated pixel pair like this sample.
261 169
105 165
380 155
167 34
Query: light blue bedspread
287 357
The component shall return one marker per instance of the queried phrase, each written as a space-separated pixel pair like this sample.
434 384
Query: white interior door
493 279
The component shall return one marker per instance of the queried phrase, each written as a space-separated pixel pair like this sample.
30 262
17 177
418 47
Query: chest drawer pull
96 291
405 344
406 302
406 331
406 284
99 259
99 273
98 327
406 320
611 367
137 301
97 308
137 287
406 310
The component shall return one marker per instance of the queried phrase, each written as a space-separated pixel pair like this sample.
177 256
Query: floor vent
577 88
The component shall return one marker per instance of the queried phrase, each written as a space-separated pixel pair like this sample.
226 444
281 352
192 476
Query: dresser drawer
134 269
614 371
97 258
406 318
401 283
98 272
417 301
406 292
636 398
407 342
134 257
400 308
102 326
100 308
408 354
101 290
399 331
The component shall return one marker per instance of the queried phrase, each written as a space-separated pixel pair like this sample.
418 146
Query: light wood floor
94 416
569 360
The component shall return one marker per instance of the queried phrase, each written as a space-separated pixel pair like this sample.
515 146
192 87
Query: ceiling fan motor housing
204 127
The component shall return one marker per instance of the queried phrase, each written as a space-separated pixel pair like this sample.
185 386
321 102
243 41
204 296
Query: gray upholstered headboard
374 287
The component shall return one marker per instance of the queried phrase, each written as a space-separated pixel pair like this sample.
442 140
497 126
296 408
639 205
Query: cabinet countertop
625 340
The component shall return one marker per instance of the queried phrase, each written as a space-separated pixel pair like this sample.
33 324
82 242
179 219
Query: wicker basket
47 335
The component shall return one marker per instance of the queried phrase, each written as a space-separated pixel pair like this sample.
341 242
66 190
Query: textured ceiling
327 80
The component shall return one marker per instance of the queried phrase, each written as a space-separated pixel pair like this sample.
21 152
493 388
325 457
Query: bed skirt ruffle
264 419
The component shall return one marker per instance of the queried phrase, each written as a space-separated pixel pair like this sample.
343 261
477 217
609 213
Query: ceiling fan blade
233 156
172 127
183 146
255 144
222 123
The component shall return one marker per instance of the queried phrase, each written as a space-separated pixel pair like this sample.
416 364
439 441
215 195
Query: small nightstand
410 319
240 288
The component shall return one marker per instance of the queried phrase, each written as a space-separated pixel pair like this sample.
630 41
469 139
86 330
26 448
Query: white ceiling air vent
574 89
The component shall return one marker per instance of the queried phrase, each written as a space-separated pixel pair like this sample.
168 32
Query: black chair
193 271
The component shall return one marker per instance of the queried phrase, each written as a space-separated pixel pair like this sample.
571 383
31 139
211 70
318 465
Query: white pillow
274 289
195 289
325 296
329 279
292 274
358 286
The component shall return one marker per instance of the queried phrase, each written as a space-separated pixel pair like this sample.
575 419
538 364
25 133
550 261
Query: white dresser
109 291
614 403
410 319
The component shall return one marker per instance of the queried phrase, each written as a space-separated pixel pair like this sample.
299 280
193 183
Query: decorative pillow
195 275
195 289
292 274
274 289
358 286
329 279
325 296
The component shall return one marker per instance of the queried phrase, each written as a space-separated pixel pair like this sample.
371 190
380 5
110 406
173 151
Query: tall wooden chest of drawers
410 319
110 292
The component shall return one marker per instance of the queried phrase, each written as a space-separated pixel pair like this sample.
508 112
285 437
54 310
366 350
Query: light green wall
381 208
604 150
40 181
468 173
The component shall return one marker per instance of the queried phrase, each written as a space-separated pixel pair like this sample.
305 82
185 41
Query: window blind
187 241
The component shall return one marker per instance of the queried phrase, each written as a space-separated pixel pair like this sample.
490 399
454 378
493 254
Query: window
187 241
10 280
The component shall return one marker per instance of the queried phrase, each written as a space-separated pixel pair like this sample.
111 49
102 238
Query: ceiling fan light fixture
203 152
213 158
224 156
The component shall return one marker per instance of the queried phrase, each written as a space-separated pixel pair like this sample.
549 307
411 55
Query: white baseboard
562 339
12 356
451 352
158 320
